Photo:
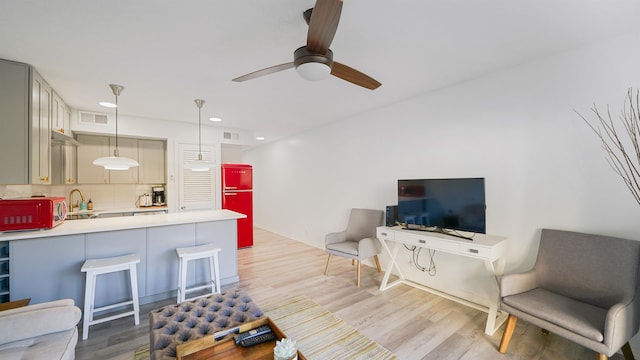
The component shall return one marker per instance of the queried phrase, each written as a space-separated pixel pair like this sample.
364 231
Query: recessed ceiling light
107 104
259 137
215 119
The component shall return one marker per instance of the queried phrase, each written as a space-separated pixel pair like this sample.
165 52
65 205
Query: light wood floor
411 323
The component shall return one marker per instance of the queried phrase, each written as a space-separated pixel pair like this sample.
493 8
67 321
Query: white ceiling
167 53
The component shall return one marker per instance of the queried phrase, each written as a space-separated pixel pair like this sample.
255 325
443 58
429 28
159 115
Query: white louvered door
197 189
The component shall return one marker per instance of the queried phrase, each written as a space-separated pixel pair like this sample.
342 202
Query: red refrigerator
237 195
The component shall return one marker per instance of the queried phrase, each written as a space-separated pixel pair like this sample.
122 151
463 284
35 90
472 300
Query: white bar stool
96 267
194 253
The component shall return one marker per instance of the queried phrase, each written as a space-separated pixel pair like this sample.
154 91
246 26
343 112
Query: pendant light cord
116 152
199 103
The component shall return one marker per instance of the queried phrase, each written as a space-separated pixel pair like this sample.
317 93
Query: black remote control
264 329
255 340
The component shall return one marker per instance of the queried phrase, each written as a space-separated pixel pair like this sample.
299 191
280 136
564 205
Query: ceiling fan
315 60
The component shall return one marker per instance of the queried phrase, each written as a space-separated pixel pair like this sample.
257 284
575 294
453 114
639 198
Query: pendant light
116 162
199 164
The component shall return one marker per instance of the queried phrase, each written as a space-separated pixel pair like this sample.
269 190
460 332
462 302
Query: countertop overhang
123 223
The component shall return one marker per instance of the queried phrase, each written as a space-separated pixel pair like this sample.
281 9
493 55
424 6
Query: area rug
321 335
318 333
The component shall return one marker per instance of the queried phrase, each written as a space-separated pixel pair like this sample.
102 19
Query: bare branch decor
624 161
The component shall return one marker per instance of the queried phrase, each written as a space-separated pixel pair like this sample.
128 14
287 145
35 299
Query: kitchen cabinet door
41 94
92 147
127 147
63 164
152 161
14 115
115 287
161 247
47 269
57 113
70 164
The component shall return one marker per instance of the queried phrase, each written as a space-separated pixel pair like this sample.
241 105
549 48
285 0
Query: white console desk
488 248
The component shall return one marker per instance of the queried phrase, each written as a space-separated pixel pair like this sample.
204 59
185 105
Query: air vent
230 136
93 118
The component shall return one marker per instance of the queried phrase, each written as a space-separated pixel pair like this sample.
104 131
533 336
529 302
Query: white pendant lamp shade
199 164
116 162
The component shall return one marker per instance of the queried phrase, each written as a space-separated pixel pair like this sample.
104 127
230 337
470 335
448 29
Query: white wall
516 128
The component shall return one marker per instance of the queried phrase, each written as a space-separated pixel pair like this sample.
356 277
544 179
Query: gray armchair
41 331
358 241
582 287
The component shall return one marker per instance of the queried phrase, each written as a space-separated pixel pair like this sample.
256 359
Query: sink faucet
71 198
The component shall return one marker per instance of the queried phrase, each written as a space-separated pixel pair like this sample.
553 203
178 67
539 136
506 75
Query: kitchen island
45 265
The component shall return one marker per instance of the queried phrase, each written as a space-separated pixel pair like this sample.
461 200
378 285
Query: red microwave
32 213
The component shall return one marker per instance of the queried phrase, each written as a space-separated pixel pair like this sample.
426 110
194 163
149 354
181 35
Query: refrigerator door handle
228 193
230 187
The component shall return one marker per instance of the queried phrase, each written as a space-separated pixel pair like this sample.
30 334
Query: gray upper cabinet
25 114
14 117
92 147
41 95
150 154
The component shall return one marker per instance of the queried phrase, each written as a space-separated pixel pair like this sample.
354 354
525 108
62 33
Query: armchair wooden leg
326 269
601 357
508 332
358 275
626 351
375 257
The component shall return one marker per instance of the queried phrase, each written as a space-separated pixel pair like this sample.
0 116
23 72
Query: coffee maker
158 195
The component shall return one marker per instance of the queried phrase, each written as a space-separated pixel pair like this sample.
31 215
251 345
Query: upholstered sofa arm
368 247
335 237
621 323
36 320
517 283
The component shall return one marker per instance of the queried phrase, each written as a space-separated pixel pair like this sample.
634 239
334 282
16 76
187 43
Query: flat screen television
442 204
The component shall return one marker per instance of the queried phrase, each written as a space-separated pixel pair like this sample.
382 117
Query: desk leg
495 319
392 262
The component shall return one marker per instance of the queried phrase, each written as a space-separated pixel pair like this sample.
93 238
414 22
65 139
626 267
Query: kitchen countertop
123 223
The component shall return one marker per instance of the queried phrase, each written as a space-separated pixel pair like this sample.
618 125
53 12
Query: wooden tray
226 348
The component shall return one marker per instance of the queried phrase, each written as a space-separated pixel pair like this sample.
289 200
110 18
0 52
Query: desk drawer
475 251
385 234
429 242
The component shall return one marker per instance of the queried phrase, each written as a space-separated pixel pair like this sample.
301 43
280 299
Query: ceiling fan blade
323 25
263 72
354 76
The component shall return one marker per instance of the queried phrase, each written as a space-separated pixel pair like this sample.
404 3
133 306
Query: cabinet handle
45 179
61 130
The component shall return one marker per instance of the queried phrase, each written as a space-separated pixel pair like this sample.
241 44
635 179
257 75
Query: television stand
488 248
439 231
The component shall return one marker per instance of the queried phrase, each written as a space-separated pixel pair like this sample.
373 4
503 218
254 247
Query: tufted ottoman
175 324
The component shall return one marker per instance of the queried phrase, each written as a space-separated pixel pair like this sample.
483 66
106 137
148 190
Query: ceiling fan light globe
312 66
313 71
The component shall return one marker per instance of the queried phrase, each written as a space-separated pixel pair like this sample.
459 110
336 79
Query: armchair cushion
576 316
345 247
